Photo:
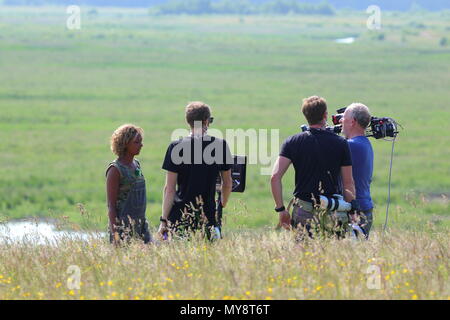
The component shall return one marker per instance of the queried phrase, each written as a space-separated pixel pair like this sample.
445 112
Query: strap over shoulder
115 165
322 166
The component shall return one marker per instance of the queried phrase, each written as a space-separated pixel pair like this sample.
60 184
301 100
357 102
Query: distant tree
443 42
92 12
233 7
253 6
186 7
281 7
243 7
325 8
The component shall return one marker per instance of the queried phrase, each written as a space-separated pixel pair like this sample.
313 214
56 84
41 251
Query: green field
63 92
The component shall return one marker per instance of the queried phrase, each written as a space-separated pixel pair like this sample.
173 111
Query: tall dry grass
262 264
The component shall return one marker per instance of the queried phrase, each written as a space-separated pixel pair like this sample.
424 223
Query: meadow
63 92
246 265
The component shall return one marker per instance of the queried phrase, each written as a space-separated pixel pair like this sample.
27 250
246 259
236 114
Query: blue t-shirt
362 160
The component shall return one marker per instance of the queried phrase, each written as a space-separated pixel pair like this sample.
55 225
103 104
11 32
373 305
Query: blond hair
122 137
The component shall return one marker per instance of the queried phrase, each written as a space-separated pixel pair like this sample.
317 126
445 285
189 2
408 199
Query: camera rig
379 128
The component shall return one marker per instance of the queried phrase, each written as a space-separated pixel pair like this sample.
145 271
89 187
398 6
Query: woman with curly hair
125 185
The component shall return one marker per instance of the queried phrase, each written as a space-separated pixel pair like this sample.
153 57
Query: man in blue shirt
354 123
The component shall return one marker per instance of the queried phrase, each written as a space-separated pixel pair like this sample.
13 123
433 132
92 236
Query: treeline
250 6
99 3
195 7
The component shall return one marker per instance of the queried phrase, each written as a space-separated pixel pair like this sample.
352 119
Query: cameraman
354 123
322 163
192 171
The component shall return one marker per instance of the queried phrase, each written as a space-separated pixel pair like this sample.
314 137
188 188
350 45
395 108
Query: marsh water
349 40
42 232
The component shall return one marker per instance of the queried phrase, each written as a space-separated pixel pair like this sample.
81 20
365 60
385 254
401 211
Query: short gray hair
361 114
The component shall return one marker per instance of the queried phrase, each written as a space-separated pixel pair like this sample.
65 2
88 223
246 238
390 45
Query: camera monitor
238 174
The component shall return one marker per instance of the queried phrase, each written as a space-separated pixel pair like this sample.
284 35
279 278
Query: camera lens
337 119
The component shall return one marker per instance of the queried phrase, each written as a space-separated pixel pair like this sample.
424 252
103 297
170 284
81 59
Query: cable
389 186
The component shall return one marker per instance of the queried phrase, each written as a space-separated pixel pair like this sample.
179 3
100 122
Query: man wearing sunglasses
193 165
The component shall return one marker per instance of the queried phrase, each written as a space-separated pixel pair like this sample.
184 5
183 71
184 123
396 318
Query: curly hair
122 136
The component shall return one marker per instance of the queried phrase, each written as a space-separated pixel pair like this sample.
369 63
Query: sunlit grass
261 264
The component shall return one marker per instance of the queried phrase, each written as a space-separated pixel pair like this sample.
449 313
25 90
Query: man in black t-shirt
322 164
193 165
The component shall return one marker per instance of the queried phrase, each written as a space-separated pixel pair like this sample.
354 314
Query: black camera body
379 128
332 129
382 127
238 174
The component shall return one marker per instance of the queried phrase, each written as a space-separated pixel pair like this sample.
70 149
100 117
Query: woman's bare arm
112 193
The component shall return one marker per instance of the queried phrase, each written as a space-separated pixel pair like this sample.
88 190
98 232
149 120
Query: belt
305 205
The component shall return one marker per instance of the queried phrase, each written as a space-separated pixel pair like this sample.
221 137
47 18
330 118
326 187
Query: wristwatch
281 209
163 220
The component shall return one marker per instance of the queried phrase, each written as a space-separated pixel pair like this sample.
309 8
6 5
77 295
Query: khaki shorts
304 215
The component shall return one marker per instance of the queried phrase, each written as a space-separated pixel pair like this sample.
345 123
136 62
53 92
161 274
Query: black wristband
281 209
163 220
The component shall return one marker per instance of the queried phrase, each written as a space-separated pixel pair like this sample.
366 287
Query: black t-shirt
310 179
198 161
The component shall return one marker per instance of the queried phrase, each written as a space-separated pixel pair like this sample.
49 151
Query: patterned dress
131 203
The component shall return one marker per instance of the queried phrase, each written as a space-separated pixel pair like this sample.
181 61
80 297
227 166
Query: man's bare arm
227 185
112 192
279 169
169 193
349 184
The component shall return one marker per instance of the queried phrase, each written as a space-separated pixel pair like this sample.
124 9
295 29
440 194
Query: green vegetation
65 91
196 7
